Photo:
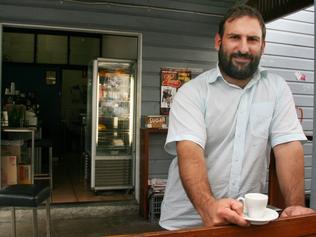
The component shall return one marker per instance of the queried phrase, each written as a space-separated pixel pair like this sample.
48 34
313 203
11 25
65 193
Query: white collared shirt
236 127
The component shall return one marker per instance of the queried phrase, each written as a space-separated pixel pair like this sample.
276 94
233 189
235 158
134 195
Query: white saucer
269 215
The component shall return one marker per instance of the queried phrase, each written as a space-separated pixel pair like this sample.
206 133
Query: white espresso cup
255 204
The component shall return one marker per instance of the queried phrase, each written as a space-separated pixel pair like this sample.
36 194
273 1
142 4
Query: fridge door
113 126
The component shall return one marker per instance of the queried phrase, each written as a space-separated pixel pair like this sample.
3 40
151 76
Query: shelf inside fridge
114 142
113 151
106 123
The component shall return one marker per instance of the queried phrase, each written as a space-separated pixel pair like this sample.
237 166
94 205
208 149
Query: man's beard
241 73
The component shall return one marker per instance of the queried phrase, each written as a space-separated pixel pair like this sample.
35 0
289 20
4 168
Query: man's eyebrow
248 36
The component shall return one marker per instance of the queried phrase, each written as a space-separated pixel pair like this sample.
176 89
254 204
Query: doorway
60 90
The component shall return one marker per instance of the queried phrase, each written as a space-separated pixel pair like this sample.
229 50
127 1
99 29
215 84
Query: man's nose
243 46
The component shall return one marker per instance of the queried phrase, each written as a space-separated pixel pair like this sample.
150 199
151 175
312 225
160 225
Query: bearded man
222 127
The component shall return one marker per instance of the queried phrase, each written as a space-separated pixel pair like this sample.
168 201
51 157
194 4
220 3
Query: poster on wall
171 81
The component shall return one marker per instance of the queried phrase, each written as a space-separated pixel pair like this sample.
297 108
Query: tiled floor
71 187
77 211
80 220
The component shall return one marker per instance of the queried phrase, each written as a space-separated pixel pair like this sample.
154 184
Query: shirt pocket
260 119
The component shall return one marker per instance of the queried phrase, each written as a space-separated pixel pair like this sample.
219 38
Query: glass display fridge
110 130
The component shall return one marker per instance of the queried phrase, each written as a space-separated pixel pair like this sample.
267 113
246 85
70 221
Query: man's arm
290 171
193 173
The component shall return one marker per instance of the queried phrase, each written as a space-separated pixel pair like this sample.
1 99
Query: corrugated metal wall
182 38
290 51
176 33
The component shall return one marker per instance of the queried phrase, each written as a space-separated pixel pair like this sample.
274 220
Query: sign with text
171 81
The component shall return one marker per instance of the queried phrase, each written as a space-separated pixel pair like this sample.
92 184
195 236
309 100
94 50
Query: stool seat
24 195
27 195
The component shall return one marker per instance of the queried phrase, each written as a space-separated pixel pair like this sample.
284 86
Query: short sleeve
285 126
186 118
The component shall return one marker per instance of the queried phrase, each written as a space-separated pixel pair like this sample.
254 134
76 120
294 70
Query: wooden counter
304 225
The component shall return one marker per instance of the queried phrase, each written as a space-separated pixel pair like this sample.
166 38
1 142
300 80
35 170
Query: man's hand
224 211
193 174
296 210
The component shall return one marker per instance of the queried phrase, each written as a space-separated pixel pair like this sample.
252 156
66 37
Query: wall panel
175 34
181 38
290 50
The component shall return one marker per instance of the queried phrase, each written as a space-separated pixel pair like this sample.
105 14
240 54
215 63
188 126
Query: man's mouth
242 60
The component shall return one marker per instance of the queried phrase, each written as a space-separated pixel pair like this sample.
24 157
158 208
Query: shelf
111 130
144 162
117 152
28 164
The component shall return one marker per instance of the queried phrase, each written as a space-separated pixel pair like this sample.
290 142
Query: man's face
240 48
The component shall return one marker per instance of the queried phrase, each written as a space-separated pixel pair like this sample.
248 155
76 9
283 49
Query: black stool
27 195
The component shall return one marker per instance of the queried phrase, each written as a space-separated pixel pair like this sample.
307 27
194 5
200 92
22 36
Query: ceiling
273 9
270 9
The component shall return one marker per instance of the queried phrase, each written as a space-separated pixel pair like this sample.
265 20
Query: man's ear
217 41
263 46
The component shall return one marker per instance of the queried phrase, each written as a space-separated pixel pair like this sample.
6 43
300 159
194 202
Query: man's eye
234 37
253 39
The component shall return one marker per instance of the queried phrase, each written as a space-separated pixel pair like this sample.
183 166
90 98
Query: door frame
136 164
1 29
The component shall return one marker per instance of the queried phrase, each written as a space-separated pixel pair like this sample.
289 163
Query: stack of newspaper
157 185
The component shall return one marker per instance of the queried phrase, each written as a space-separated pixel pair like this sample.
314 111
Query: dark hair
240 11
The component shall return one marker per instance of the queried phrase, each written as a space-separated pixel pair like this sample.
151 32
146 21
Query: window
83 50
122 47
51 49
18 47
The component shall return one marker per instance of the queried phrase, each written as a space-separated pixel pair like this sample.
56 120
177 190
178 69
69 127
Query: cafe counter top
304 225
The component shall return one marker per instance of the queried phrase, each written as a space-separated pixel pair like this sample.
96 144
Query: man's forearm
290 171
193 174
194 177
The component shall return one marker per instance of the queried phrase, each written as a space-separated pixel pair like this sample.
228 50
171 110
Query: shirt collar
259 74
